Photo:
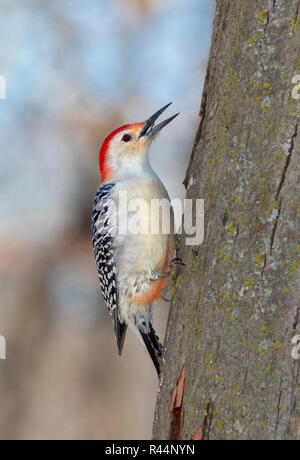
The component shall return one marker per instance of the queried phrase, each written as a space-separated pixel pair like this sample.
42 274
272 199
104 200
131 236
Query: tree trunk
236 303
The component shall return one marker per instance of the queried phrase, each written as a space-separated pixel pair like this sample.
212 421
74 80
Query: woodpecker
132 268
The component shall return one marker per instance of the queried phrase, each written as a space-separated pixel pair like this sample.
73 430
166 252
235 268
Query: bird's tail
120 330
152 343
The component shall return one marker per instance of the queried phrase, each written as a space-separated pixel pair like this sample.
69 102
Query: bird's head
125 150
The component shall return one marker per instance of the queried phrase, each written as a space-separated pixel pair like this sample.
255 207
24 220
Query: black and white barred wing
103 233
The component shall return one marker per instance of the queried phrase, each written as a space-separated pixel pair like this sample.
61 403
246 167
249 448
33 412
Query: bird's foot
176 261
164 298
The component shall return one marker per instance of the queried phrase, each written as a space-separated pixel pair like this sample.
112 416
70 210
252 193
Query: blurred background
74 72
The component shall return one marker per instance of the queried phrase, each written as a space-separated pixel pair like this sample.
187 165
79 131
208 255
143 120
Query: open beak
149 129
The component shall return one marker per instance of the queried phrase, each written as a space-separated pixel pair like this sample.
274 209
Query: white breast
138 254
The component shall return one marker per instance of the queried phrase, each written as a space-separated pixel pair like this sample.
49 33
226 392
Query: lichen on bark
236 305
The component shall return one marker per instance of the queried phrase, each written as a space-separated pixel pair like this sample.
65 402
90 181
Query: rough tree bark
236 303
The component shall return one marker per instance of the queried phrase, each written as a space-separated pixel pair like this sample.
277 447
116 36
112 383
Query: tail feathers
120 330
152 343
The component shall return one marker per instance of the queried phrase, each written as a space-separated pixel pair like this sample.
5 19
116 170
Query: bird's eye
126 138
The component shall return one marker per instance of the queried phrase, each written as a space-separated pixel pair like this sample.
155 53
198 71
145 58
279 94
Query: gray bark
236 306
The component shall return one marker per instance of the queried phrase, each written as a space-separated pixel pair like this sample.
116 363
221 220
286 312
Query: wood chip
197 436
180 389
173 399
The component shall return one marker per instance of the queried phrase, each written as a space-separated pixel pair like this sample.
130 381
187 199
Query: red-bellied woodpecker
132 266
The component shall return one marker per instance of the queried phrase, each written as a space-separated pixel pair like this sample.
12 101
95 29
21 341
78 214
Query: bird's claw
154 276
176 261
165 299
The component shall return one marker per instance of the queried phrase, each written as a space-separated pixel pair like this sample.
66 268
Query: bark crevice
288 160
273 234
